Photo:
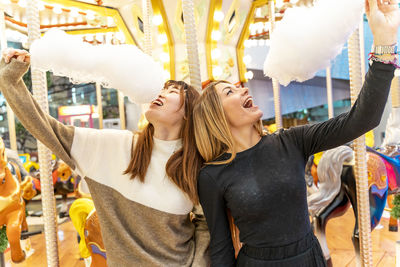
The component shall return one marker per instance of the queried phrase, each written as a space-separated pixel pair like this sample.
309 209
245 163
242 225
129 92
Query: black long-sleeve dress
265 190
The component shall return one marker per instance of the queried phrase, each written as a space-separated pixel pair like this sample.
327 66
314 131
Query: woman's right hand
21 55
384 20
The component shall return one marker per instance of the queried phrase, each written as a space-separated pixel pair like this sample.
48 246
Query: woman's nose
245 91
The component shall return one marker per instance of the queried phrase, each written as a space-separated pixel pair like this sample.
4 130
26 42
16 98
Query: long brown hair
183 166
212 132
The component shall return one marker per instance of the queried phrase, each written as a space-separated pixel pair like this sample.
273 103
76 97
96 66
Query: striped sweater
142 224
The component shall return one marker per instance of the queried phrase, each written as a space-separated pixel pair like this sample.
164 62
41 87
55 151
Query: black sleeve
365 115
221 248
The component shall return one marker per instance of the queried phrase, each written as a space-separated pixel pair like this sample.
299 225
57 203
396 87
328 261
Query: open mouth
158 102
248 103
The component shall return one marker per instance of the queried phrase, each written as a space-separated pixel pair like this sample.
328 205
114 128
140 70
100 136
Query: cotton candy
123 67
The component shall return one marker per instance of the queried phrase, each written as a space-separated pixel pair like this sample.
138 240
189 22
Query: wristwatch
384 50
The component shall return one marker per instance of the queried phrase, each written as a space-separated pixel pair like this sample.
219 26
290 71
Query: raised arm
384 20
56 136
221 248
365 115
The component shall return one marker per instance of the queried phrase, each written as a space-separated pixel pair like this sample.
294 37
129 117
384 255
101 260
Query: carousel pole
275 84
191 44
99 105
148 45
329 92
395 92
10 113
39 86
121 110
364 224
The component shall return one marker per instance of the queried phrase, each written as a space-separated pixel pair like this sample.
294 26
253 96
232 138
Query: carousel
354 187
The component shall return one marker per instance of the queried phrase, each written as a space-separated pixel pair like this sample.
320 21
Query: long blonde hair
212 132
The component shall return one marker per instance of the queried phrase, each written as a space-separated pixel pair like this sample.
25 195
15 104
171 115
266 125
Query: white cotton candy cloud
308 38
123 67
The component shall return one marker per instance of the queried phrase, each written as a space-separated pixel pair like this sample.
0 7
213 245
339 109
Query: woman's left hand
384 20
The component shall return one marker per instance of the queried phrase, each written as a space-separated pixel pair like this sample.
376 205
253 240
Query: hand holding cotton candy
123 67
308 38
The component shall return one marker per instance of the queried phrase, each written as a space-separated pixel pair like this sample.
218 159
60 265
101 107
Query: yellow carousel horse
12 205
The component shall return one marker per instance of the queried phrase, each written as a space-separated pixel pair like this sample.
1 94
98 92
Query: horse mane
329 171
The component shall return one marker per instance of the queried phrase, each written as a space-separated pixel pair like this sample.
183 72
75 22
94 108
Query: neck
166 133
245 138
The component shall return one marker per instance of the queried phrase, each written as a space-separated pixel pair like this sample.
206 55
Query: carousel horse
12 205
337 190
65 181
391 156
84 217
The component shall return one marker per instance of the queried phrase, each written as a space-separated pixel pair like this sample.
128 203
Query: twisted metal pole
395 92
148 45
360 169
275 84
39 86
191 44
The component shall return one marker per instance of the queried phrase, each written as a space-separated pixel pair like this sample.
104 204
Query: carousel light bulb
216 35
99 38
260 27
247 59
249 75
164 57
71 19
279 3
267 26
46 21
110 21
22 3
215 53
62 20
247 43
120 36
41 6
90 15
157 20
162 39
57 9
217 71
294 1
6 2
258 12
218 16
89 38
166 75
74 12
109 37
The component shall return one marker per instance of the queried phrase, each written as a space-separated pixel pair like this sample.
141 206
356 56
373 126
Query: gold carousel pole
10 113
191 44
39 86
275 84
360 169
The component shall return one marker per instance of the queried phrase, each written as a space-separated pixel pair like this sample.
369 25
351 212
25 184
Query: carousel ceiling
235 24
